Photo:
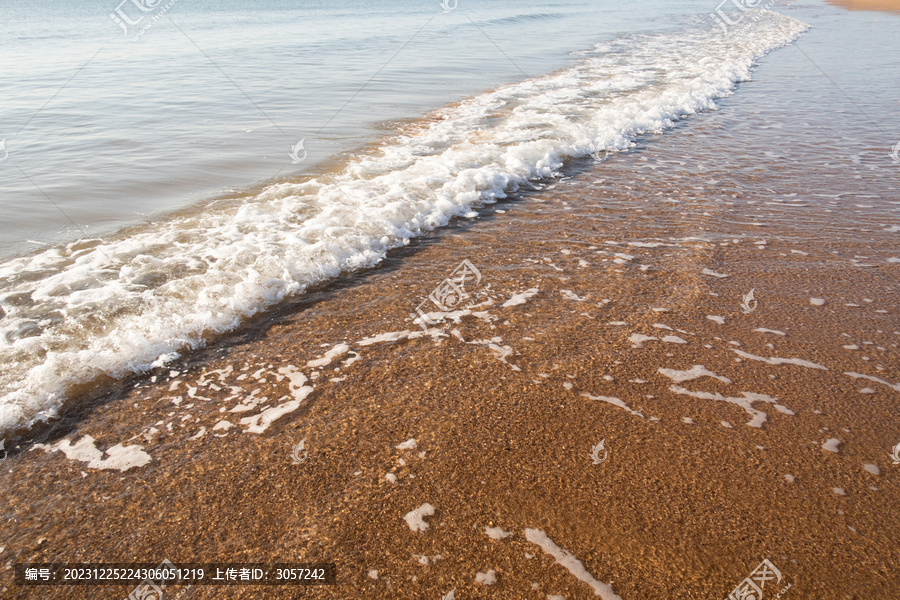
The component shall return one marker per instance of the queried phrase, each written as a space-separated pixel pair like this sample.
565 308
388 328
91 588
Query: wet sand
613 306
504 408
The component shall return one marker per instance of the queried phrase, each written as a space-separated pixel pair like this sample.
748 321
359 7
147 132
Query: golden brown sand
507 403
676 510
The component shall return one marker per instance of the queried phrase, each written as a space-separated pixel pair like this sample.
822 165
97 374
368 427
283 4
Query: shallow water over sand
100 308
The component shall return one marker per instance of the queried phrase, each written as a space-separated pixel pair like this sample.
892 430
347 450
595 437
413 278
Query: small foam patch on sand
489 578
614 401
499 352
571 563
382 338
746 402
337 351
895 387
637 339
119 457
831 444
497 533
296 381
695 372
775 360
712 273
520 298
416 518
570 295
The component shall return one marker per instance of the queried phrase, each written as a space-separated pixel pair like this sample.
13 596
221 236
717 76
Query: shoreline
506 441
674 366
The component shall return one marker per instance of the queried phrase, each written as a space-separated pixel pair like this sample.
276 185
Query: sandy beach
668 371
730 435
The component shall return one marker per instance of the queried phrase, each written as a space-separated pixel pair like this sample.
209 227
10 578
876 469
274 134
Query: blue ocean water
210 100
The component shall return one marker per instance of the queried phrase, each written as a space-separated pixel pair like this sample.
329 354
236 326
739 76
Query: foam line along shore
101 308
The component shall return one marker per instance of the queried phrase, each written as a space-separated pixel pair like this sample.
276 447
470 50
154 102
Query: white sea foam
780 361
570 295
260 422
831 444
140 299
637 339
712 273
489 578
746 402
119 457
497 533
614 402
873 469
336 352
694 372
381 338
416 518
893 386
409 444
520 298
296 381
571 563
